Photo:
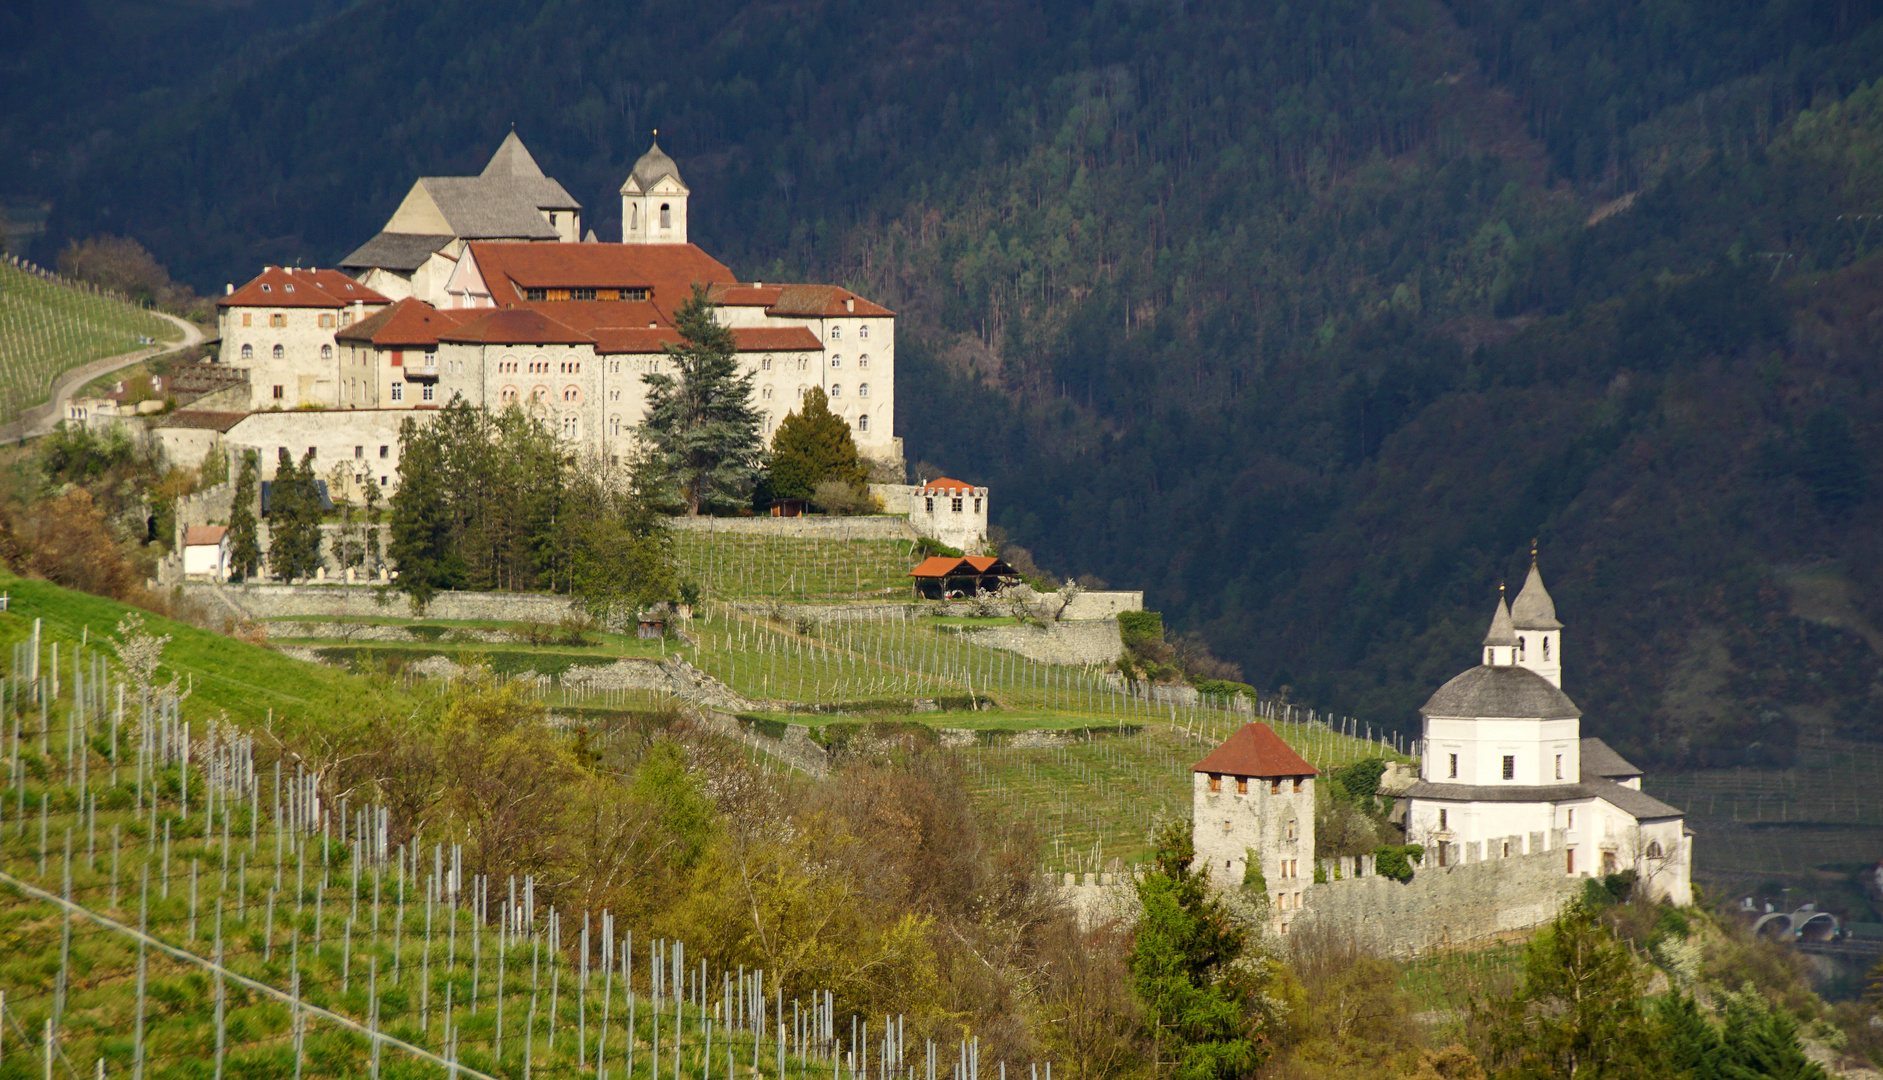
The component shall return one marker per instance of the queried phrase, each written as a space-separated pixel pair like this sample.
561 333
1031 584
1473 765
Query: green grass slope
47 327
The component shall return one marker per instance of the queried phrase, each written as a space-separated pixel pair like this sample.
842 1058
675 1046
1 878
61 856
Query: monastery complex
485 288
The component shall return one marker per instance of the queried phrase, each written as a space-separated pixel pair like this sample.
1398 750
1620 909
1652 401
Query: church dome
653 165
1501 692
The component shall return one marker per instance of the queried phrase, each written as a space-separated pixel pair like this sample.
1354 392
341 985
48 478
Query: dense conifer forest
1306 318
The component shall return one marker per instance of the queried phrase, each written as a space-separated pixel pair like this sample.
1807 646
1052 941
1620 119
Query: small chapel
1503 755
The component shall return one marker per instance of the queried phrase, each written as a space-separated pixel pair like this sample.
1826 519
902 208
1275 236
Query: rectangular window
1559 766
1510 766
931 505
398 358
277 320
383 451
279 394
248 319
584 294
425 393
398 391
1572 819
346 318
326 321
311 452
1569 860
1453 773
1242 785
1274 787
957 506
634 294
1216 782
558 294
1444 821
535 294
359 452
977 506
1297 785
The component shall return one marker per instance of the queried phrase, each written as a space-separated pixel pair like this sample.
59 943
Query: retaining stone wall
258 601
1093 642
874 527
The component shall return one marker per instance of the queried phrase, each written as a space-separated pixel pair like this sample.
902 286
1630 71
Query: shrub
1140 628
1397 860
840 497
1252 878
1224 687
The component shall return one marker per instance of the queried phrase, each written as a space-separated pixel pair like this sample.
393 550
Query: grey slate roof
1505 691
512 159
497 207
1534 610
1600 759
653 165
395 251
1501 632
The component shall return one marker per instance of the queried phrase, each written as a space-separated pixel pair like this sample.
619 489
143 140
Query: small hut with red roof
1252 816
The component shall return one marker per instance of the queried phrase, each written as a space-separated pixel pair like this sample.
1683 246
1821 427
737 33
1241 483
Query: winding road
41 419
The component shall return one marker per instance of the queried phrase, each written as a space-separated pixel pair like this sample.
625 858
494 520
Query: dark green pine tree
701 424
811 446
293 518
372 525
1759 1042
1579 1010
245 553
422 549
1689 1042
1185 968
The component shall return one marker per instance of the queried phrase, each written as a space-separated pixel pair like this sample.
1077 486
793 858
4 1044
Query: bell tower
1539 635
654 200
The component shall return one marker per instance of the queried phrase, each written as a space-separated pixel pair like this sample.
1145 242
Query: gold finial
1500 590
1533 549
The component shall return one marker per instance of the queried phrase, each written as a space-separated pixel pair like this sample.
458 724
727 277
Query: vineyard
48 326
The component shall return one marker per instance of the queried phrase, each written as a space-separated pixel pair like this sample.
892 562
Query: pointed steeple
1534 610
1501 633
512 159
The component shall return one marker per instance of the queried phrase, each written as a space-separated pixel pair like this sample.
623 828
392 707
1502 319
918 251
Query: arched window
765 364
765 393
863 390
804 363
835 360
614 425
836 333
634 215
571 394
836 390
1546 647
614 395
326 352
279 352
1292 826
864 361
248 352
568 427
1654 850
666 216
508 395
538 395
863 331
863 422
1521 642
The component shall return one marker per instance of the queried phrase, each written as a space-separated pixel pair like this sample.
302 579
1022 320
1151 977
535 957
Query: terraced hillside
47 326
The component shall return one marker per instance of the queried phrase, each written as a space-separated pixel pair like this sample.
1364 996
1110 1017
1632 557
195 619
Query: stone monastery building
478 287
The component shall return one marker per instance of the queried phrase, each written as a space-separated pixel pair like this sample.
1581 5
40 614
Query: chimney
849 303
229 289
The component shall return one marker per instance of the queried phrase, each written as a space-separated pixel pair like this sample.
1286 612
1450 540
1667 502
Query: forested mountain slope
1293 314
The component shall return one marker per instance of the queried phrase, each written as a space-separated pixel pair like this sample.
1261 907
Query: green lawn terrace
48 326
758 567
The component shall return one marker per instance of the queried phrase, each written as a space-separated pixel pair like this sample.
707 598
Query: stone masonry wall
362 601
877 527
1091 642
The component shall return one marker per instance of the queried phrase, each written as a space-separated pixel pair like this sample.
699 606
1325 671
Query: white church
1503 756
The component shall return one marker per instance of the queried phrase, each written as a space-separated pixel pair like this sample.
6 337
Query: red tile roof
944 485
747 295
938 566
409 322
515 326
292 287
610 340
201 419
1255 750
776 339
204 535
823 301
670 270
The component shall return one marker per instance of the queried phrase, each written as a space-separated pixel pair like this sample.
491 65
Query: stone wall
1102 605
810 527
1098 898
1082 643
256 601
1443 906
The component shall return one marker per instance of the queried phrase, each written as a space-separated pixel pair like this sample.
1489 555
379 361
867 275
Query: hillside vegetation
48 326
1305 318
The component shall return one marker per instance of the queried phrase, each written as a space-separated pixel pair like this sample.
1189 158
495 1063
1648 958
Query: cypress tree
421 545
293 518
702 425
245 553
811 446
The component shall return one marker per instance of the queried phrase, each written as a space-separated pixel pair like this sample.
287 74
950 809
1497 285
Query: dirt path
41 419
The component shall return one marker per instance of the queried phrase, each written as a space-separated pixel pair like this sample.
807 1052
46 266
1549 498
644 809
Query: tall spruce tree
1760 1042
293 518
1579 1010
1188 969
422 547
1689 1042
245 553
701 424
813 445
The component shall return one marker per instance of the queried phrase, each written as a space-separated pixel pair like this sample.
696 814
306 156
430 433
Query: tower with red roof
1252 806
